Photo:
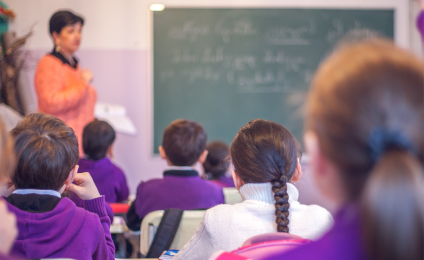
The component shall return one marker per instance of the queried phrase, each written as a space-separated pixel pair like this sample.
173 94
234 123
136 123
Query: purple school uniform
224 181
420 24
343 241
7 257
66 231
109 179
182 189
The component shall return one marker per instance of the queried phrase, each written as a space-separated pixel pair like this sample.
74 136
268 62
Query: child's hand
8 228
84 187
6 188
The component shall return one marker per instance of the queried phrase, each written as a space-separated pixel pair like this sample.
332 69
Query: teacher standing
63 88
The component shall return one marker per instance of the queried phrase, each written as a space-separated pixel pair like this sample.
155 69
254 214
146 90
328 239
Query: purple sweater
224 181
341 242
65 232
109 179
182 189
420 24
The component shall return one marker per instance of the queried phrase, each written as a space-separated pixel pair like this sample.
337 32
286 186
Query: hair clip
382 140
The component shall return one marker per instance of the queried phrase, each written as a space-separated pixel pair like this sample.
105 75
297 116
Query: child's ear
238 182
110 151
71 176
69 180
297 172
162 153
325 174
202 157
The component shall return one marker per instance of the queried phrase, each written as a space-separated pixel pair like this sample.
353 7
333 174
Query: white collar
39 192
180 168
263 192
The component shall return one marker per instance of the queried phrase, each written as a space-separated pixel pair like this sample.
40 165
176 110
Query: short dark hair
218 159
184 141
46 150
63 18
97 137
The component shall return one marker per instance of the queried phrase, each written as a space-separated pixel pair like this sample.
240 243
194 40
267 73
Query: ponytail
392 208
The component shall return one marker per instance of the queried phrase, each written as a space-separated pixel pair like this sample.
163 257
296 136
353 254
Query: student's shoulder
219 210
152 183
69 207
316 212
211 185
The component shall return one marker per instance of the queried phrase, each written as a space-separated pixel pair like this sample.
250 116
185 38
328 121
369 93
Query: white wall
122 28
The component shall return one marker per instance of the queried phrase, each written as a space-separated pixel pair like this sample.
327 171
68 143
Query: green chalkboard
224 67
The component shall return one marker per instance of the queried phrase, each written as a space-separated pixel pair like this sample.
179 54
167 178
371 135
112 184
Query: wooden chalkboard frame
401 8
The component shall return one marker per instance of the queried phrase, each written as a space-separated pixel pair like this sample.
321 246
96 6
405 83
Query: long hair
264 151
366 107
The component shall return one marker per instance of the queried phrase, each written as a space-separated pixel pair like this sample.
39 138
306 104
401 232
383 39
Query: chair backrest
189 223
231 195
270 237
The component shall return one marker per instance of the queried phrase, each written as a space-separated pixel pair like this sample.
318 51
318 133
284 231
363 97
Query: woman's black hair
61 19
264 151
218 160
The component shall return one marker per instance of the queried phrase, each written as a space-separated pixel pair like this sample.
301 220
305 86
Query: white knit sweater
226 227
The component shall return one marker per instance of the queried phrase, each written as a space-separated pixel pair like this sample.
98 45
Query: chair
231 195
190 221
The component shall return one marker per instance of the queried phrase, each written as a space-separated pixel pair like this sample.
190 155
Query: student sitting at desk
97 142
51 226
183 145
266 159
217 164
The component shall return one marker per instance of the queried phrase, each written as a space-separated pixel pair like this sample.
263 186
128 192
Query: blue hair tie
382 140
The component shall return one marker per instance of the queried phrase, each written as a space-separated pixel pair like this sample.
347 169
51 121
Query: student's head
97 139
65 28
365 139
184 143
7 155
47 152
217 161
264 151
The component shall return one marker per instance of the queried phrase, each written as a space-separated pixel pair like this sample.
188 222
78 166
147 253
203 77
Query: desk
122 232
119 228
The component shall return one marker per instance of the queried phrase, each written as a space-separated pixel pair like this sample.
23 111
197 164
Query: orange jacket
62 93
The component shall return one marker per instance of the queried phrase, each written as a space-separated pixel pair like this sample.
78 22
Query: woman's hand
84 186
86 75
8 228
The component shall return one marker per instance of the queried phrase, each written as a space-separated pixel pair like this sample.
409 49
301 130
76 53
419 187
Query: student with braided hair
266 158
364 135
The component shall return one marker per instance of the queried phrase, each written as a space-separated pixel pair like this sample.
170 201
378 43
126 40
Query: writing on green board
225 67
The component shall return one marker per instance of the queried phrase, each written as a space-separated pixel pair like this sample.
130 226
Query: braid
282 205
